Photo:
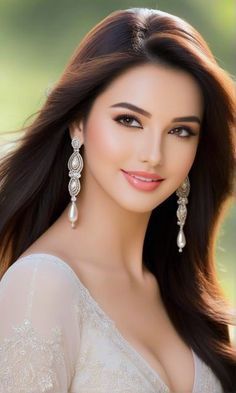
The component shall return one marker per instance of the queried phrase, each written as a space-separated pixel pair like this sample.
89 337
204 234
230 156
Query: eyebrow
147 114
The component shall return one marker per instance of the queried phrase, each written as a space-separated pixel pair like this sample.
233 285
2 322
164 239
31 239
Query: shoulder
40 289
41 272
43 265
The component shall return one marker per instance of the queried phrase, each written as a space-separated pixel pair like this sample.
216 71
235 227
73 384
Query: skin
105 248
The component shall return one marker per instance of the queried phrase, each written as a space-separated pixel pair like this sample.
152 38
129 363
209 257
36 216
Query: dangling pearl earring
75 166
182 192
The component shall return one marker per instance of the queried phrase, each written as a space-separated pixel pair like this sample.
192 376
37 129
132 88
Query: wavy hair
34 175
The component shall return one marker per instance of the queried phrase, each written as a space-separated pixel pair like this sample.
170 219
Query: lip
142 184
148 175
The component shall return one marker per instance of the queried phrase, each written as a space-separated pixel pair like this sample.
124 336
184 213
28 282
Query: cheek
104 144
183 155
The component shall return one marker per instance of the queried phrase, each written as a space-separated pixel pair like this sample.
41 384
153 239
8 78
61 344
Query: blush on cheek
180 163
184 152
103 141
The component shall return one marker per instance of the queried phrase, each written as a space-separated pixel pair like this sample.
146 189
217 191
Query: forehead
156 88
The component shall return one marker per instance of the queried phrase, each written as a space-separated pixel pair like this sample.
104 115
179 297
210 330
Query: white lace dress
54 337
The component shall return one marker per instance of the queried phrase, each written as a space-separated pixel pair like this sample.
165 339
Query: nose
151 149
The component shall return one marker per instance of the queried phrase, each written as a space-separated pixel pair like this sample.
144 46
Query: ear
76 130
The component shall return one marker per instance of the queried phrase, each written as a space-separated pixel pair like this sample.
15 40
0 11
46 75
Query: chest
148 329
143 322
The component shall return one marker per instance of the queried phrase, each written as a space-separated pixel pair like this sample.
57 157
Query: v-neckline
151 371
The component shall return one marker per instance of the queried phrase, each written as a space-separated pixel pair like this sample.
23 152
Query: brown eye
126 120
183 132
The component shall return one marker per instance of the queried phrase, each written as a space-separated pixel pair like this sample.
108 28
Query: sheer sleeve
39 333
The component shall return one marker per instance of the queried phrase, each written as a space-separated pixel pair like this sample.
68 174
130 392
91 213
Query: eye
126 120
183 132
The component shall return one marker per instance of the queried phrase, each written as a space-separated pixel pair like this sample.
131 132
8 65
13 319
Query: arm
39 334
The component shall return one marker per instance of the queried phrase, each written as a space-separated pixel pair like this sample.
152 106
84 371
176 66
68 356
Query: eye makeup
127 116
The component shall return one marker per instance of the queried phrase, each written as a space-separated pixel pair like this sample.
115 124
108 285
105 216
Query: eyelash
126 115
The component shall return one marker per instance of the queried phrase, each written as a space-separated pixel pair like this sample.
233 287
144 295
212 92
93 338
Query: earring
75 166
182 192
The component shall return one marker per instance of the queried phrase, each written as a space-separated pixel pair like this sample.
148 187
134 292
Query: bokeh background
38 38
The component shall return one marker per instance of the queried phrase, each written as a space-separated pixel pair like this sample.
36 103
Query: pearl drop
181 241
73 213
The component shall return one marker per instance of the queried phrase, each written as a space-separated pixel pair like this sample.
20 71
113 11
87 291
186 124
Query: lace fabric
31 359
54 337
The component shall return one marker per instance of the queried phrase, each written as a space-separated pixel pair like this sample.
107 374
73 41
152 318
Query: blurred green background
38 37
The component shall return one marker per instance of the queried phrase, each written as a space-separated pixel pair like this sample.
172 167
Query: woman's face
120 137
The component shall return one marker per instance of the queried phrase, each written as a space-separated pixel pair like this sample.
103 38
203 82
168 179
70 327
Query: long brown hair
34 175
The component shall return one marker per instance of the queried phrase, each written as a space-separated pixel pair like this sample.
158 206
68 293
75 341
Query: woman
109 210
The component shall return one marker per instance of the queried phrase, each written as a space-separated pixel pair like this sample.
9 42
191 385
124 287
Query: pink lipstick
143 180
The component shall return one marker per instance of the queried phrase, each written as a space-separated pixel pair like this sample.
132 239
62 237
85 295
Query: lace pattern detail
100 367
104 376
27 360
106 327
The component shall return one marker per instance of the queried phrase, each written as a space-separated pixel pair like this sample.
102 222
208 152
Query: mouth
144 175
142 182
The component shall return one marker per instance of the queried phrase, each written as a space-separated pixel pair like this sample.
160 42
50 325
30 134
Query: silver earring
75 166
182 192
